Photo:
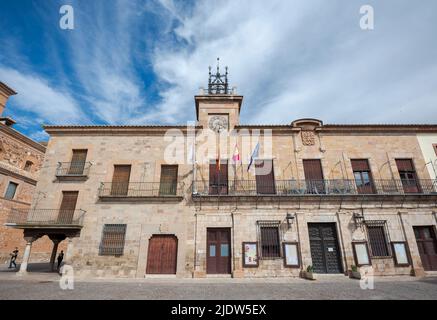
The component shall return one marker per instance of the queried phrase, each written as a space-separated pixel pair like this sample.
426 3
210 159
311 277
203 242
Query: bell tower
218 107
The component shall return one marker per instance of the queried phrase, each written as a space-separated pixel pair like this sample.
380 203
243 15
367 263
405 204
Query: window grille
378 236
113 240
269 239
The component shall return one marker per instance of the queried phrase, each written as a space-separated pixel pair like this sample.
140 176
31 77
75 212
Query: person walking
60 258
14 256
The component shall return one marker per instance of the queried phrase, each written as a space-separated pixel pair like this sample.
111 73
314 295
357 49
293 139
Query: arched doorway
162 254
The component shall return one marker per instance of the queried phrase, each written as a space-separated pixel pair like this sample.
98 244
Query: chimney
5 93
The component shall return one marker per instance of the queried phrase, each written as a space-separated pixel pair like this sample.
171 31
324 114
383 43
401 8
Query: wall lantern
290 219
358 219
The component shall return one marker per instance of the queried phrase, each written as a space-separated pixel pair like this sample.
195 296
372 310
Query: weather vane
218 83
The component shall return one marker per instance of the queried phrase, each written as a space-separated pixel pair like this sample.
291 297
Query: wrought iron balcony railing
73 169
139 190
45 217
313 187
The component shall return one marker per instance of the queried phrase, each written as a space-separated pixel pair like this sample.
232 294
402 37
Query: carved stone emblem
308 138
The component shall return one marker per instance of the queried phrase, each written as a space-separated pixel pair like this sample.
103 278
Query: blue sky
141 62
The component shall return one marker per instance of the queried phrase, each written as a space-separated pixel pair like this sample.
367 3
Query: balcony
140 191
337 187
73 170
45 219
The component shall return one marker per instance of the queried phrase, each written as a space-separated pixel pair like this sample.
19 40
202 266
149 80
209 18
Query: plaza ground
46 285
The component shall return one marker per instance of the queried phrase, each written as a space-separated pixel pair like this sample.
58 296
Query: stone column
69 251
26 255
54 251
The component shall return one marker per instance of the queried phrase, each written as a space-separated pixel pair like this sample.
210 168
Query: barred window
269 239
113 240
378 238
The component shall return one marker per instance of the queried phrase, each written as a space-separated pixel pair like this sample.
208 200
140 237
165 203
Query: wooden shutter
265 181
360 165
218 180
68 205
314 176
120 180
78 162
404 164
169 178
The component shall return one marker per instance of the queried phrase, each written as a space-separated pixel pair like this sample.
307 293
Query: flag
236 156
255 155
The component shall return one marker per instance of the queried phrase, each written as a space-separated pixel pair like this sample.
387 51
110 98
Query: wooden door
265 178
427 244
218 243
68 205
120 180
325 252
169 178
77 164
162 254
218 179
314 176
408 176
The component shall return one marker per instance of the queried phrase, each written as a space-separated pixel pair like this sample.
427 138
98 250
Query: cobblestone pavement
46 286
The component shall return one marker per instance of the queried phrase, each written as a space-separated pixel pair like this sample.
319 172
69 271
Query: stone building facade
20 161
223 199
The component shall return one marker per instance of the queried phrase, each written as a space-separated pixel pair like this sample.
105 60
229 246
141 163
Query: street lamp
290 219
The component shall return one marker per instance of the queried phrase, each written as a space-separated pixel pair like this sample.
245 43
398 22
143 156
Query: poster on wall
361 253
250 254
291 254
400 254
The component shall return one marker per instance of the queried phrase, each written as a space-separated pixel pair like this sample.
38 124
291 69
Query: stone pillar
69 251
26 255
54 251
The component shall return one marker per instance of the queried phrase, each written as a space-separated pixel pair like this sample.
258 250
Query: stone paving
46 286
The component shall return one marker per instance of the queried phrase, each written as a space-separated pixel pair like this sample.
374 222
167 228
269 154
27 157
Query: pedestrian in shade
14 255
60 258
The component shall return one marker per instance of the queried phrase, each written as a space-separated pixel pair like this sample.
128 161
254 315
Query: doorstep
219 275
160 276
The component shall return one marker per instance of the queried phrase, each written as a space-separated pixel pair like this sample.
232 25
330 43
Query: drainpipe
233 243
195 245
300 243
406 239
342 243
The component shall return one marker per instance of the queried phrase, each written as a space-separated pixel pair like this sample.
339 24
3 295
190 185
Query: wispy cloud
142 61
40 99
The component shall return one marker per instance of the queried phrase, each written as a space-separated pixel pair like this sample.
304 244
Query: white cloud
307 59
38 97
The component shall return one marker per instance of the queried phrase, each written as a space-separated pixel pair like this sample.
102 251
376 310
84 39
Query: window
10 191
265 178
113 240
169 178
408 176
378 238
363 176
120 180
28 165
77 164
269 239
314 176
218 177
